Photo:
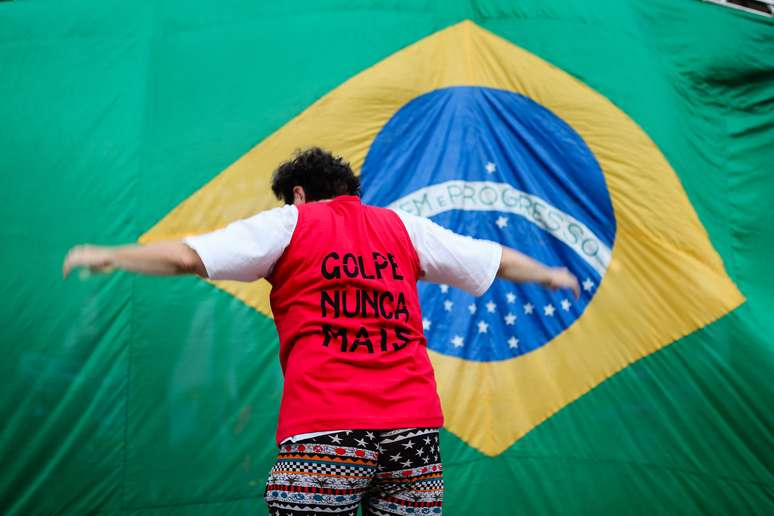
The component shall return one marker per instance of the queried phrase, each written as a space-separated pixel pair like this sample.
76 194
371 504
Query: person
359 417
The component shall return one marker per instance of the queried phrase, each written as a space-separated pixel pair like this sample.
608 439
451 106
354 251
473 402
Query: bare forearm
518 267
162 259
515 266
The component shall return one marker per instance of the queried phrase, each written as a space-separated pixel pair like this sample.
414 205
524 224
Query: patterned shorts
389 472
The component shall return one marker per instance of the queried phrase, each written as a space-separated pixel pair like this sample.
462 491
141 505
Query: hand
96 258
559 277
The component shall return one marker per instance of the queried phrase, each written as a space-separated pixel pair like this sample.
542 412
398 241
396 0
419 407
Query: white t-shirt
246 250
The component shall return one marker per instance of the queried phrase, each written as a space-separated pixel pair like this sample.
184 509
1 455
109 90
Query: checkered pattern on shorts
388 473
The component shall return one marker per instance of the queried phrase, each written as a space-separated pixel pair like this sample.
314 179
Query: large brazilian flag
629 140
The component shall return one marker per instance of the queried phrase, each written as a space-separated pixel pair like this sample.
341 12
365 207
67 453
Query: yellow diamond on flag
662 278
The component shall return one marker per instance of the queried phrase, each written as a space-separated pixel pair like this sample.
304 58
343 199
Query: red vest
345 303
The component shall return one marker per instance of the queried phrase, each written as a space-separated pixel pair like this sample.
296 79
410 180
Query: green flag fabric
126 122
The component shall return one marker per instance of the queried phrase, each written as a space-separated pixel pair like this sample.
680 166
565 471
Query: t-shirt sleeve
450 258
246 250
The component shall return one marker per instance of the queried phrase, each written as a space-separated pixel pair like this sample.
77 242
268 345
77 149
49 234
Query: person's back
345 303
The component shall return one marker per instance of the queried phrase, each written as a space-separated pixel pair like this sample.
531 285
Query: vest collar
345 198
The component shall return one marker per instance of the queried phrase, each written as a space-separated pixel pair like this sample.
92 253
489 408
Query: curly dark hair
321 174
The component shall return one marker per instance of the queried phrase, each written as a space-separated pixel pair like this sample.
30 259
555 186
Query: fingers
67 265
565 279
77 256
573 283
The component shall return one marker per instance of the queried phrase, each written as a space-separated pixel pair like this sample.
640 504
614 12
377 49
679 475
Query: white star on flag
490 167
513 343
370 435
472 308
447 305
565 305
588 284
426 440
482 327
408 445
549 310
335 438
444 289
396 457
490 307
406 464
511 297
426 323
528 308
457 341
510 319
501 222
361 442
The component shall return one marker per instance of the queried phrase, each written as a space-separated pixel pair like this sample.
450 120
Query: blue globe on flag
496 165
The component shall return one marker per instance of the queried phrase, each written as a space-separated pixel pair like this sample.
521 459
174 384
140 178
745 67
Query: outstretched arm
245 250
471 264
161 259
518 267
